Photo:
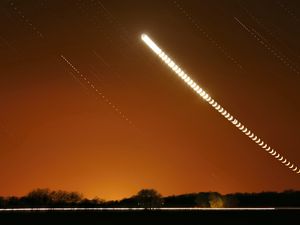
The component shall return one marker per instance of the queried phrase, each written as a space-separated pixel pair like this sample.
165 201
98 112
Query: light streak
275 52
208 36
193 85
133 209
25 20
102 96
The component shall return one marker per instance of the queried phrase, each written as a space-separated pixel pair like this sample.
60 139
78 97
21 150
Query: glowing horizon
192 84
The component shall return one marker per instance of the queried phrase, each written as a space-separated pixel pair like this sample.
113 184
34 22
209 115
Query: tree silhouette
39 197
202 200
65 197
149 198
2 202
45 197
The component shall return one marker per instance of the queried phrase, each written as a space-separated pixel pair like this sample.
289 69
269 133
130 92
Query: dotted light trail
211 39
25 20
103 97
276 53
186 78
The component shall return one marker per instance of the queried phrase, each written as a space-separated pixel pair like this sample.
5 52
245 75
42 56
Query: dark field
232 217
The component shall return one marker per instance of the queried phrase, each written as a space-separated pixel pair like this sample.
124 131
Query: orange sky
56 132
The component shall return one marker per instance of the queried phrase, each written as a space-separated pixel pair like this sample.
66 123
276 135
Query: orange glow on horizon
58 132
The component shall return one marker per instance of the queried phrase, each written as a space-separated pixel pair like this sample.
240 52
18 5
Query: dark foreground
206 217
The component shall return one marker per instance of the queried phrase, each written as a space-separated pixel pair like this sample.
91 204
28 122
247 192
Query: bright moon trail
186 78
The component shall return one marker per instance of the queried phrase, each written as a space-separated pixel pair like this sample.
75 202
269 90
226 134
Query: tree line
150 198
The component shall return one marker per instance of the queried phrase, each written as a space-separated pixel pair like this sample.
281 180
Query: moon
187 79
193 85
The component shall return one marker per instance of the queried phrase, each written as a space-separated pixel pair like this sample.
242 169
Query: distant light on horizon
193 85
37 209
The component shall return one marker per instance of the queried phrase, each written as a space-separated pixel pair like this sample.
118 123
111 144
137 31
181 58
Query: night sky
144 128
